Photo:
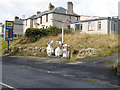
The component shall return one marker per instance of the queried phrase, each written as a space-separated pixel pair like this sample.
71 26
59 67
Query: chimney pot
69 7
38 12
16 17
50 7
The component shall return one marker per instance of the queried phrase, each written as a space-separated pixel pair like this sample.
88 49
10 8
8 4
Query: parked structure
44 19
99 25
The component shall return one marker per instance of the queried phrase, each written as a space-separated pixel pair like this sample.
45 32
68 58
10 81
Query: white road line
7 85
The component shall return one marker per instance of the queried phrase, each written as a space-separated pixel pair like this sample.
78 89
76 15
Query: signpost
8 33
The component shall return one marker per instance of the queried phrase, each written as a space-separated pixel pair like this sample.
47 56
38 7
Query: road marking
7 85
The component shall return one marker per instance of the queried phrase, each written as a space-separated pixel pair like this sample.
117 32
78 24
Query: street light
62 22
62 27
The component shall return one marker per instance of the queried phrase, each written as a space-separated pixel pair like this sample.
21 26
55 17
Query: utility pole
62 22
62 33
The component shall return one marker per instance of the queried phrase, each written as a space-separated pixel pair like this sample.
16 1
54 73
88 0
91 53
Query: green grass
11 43
103 44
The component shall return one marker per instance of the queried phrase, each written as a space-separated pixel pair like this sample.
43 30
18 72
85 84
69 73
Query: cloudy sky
11 8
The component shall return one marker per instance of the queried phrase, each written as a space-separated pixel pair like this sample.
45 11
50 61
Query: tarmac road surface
35 72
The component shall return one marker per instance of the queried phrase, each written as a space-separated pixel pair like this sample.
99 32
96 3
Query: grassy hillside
102 44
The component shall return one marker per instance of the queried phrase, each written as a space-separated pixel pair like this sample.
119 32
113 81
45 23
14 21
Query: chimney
16 17
38 12
69 7
50 7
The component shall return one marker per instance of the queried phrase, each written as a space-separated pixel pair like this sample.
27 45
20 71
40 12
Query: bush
68 31
34 34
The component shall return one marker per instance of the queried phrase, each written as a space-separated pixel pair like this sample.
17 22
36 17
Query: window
91 26
47 18
76 19
68 26
35 21
40 20
115 28
79 26
26 22
99 25
70 18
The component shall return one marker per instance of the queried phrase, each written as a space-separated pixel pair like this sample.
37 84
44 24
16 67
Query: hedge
34 33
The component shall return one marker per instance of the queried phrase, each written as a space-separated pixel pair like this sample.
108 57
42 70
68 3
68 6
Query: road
35 72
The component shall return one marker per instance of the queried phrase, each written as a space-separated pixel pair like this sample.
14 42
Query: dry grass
79 41
103 44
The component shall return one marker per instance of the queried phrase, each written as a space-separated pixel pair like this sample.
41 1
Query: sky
11 8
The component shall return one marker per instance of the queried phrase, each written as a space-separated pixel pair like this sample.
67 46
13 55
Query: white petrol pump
66 51
50 49
58 51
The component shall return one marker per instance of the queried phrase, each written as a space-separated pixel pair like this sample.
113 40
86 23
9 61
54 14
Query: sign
64 52
8 33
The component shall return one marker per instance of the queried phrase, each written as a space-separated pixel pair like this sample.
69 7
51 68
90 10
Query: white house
44 19
97 26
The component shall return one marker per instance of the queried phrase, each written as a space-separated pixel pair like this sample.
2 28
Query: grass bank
102 44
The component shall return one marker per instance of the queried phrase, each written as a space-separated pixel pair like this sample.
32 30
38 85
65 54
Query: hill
81 45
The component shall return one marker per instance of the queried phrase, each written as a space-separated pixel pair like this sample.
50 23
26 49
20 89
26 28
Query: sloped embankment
81 45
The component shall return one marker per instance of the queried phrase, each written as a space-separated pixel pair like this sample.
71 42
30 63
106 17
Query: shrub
68 31
34 34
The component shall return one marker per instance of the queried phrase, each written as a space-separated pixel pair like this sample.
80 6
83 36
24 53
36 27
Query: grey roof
19 21
97 20
31 17
59 10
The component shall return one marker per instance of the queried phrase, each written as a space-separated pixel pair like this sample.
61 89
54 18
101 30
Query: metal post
110 28
7 47
62 33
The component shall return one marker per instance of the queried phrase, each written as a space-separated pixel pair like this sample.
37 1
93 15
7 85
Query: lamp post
62 22
62 33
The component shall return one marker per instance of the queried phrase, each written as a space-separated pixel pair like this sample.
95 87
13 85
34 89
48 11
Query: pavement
36 72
